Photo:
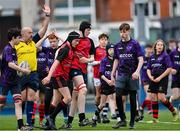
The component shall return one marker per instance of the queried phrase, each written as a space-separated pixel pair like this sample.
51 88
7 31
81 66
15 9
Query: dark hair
84 25
148 46
172 41
124 26
73 35
13 32
103 35
164 46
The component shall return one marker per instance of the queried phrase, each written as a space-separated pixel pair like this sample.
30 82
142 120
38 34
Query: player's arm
39 43
43 29
136 74
115 65
149 75
17 68
174 68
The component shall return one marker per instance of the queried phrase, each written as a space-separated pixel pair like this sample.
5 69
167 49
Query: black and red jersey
100 54
65 56
85 48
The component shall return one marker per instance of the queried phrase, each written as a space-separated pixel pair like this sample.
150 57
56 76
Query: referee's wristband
47 15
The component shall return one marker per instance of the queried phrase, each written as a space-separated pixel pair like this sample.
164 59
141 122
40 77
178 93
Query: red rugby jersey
85 48
100 54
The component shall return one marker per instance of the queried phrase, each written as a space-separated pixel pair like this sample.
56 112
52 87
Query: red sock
34 112
168 105
144 104
41 112
149 106
155 108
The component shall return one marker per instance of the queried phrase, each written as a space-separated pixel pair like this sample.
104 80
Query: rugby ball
23 64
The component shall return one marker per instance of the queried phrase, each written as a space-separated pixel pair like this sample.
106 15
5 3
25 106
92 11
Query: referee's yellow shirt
27 52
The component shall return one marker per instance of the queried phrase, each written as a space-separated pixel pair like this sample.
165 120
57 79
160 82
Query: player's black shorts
176 82
160 87
145 82
76 72
42 87
59 82
31 80
107 90
13 88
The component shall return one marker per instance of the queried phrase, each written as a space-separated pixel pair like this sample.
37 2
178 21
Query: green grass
8 122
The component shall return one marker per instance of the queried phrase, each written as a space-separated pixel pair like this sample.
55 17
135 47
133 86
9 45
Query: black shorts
176 81
15 89
76 72
175 84
145 82
59 82
160 87
107 90
41 76
31 80
122 92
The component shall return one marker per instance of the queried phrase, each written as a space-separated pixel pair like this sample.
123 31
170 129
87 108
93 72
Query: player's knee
17 99
31 97
82 89
68 99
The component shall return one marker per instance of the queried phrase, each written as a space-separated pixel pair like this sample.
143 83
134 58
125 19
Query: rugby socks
59 107
81 117
29 111
34 113
117 114
96 113
105 110
155 108
52 108
147 103
41 112
168 105
48 98
20 123
133 105
65 113
70 119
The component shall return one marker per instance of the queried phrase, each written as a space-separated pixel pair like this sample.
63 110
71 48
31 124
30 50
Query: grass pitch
8 122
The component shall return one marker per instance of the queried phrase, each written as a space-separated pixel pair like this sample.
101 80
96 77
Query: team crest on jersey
129 48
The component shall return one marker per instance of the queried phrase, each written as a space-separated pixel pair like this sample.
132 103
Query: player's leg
112 106
166 103
147 101
97 85
103 100
155 107
41 108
